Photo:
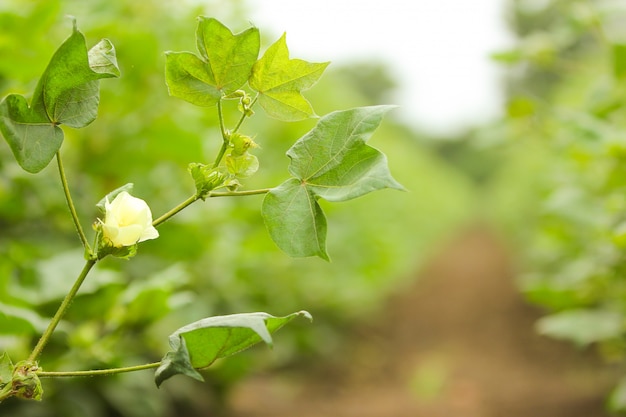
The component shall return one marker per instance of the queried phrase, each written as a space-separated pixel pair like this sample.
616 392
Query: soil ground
458 342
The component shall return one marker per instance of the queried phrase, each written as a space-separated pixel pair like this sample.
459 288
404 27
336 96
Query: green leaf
6 368
332 162
224 64
280 80
197 345
33 139
583 327
295 220
67 93
6 376
68 90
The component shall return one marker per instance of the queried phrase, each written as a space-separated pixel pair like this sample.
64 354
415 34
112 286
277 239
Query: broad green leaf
67 93
332 162
188 77
280 80
197 345
224 64
583 327
295 220
33 139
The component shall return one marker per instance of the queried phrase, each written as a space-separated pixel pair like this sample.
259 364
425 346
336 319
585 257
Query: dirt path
459 342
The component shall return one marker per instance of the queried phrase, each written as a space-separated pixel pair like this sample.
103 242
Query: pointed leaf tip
280 81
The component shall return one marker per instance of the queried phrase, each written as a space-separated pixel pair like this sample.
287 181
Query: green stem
70 204
98 372
61 311
243 116
240 193
225 136
175 210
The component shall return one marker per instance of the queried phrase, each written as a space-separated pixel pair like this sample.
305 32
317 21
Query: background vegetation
215 258
550 174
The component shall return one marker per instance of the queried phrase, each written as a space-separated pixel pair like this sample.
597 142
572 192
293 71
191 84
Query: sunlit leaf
332 162
224 64
280 80
199 344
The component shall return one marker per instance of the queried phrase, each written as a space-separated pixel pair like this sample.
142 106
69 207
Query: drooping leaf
197 345
67 93
332 162
280 81
224 64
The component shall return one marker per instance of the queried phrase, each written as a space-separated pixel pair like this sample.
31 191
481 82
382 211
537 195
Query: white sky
438 49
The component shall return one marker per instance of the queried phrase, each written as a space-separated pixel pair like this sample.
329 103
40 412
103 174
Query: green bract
67 93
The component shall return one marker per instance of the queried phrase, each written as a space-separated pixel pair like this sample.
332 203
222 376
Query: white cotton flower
127 221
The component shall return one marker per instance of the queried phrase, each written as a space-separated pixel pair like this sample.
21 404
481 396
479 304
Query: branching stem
175 210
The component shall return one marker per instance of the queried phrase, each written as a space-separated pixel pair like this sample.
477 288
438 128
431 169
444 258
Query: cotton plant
331 162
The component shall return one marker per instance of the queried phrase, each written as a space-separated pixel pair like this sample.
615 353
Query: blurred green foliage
559 185
216 257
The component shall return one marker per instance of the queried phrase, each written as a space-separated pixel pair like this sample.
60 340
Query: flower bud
127 221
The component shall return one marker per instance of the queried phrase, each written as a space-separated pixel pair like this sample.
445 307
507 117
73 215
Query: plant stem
225 135
98 372
61 311
70 204
175 210
243 116
240 193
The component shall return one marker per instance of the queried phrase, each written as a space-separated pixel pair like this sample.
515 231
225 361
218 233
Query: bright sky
438 49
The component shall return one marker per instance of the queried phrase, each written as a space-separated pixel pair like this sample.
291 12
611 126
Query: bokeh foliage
216 257
559 184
